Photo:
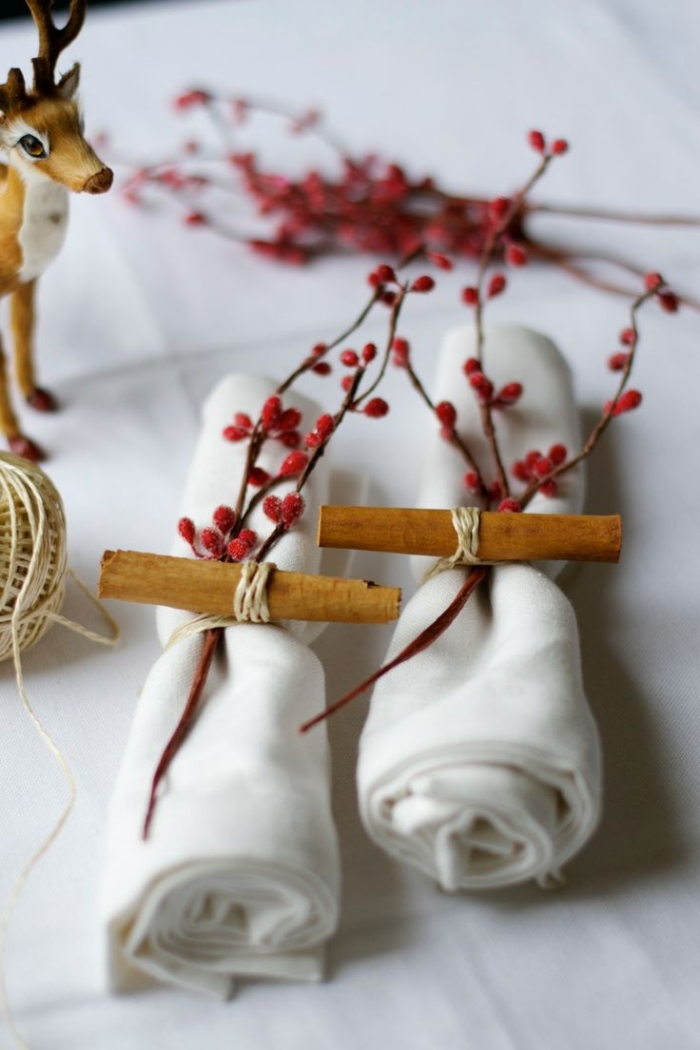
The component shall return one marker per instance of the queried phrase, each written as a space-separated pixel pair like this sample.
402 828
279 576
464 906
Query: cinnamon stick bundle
209 587
502 537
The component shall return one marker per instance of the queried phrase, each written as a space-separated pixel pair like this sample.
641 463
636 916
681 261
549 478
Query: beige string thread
551 880
250 600
250 604
34 567
466 522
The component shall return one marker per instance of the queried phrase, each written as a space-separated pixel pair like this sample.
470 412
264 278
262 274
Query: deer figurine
41 133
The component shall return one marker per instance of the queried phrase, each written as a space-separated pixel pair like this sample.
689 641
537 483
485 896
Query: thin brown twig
426 637
211 639
258 496
496 231
268 108
393 322
606 415
608 215
309 362
564 262
454 438
568 262
257 439
346 405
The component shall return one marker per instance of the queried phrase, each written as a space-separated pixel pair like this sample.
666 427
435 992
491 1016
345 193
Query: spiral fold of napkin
240 872
480 760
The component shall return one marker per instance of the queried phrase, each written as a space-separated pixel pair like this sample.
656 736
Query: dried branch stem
418 645
605 416
497 230
187 718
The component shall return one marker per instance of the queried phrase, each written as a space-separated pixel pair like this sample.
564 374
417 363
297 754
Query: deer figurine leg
22 324
19 444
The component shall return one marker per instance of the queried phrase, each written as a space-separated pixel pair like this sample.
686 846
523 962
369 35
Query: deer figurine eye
33 147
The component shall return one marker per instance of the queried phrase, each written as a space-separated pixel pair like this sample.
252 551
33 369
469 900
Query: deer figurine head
41 132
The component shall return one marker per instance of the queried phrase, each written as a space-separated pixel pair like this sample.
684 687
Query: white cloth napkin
480 759
240 874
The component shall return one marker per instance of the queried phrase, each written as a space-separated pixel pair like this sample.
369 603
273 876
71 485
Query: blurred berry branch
371 206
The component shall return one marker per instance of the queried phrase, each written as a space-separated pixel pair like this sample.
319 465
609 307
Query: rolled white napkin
240 873
480 759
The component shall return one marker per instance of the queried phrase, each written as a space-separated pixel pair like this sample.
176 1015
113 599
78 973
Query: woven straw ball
33 558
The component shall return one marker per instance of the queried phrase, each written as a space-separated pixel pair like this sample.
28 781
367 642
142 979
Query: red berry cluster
667 299
400 352
286 511
447 417
351 359
275 422
618 361
196 218
473 483
293 465
535 466
496 286
242 547
555 148
213 537
484 389
626 402
321 433
196 97
384 274
376 407
257 477
371 206
321 368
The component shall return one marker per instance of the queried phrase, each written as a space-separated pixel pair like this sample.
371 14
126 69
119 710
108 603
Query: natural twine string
33 571
250 604
466 522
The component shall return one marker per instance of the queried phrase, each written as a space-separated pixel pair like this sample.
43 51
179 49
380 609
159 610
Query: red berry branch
228 538
539 472
369 205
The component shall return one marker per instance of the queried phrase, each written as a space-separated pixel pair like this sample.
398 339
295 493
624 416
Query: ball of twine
33 557
33 572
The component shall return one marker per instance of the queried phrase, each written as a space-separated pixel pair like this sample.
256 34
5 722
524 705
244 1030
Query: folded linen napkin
240 874
480 762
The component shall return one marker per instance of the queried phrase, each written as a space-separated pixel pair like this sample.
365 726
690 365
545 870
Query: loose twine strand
34 566
466 522
250 604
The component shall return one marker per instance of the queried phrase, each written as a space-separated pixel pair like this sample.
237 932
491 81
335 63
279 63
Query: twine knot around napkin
250 604
240 875
250 597
480 760
466 522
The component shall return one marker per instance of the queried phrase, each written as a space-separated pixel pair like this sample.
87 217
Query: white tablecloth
139 317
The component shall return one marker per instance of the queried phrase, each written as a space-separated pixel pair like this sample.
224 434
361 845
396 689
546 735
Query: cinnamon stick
209 587
502 537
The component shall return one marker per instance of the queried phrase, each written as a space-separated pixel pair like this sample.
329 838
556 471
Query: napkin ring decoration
466 522
250 604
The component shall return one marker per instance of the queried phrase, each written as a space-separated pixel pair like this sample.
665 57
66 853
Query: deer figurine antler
41 131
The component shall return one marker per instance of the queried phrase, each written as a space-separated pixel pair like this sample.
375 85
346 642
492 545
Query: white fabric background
140 318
